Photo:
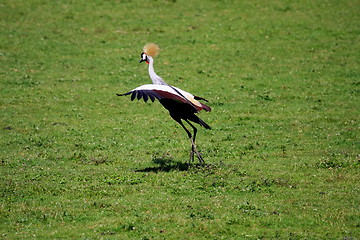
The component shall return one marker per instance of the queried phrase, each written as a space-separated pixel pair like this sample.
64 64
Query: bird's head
150 50
144 58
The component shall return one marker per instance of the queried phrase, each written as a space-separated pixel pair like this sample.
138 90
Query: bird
182 105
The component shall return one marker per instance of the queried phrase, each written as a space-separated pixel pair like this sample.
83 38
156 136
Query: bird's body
180 104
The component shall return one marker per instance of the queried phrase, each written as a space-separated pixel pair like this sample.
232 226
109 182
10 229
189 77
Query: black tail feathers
204 124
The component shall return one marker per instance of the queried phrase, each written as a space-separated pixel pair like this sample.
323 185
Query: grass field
79 162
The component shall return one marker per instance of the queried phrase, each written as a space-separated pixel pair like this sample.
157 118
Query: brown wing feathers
158 94
152 94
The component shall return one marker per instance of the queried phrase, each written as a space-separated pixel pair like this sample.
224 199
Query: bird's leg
193 145
190 137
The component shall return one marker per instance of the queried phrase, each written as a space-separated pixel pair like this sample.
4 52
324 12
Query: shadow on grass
167 165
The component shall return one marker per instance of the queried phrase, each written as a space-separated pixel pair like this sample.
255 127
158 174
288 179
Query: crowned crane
180 104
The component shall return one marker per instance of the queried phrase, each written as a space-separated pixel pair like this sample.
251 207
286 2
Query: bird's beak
142 60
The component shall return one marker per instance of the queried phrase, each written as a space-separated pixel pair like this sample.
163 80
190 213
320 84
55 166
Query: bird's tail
204 124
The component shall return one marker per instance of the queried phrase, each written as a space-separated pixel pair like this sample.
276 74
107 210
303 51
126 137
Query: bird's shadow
166 165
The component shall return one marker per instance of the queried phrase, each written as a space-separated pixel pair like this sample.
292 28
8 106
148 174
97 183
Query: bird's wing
155 91
193 99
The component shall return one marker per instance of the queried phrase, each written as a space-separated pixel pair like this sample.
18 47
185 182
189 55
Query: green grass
78 162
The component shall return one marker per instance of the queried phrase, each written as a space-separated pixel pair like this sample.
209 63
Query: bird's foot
198 155
201 160
192 156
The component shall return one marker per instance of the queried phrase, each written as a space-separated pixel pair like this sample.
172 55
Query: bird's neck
156 79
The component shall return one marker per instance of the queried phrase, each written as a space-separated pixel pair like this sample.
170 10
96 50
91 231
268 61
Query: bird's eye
143 56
